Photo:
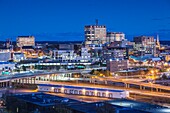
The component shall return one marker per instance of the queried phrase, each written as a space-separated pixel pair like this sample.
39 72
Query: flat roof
122 105
140 106
78 87
42 99
96 106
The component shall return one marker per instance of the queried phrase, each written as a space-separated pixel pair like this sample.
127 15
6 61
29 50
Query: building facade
114 65
95 34
71 56
25 41
115 36
116 52
5 56
76 90
7 65
17 56
145 44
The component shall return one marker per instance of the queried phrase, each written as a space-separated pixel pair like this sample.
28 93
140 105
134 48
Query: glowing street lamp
165 64
152 71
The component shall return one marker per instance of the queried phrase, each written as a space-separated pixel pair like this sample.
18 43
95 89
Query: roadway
135 94
134 82
127 81
112 79
4 78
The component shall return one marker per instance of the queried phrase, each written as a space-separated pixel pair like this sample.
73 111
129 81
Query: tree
61 108
23 68
36 66
92 71
105 108
164 77
35 111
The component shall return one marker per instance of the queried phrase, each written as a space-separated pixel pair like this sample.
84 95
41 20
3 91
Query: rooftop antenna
96 22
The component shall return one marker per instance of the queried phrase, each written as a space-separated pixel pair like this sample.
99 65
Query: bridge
35 77
128 83
32 76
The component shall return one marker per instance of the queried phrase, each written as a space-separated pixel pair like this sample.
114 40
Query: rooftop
141 58
98 106
78 87
120 105
42 99
151 108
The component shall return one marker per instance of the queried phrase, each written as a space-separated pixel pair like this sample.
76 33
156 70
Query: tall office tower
115 36
95 34
145 43
25 41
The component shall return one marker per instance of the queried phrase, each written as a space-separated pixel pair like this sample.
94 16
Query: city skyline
84 56
65 20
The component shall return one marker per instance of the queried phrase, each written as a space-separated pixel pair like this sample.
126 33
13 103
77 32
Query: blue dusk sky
65 19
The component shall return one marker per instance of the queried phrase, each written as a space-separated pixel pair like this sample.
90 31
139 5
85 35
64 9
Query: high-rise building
95 34
25 41
115 36
145 44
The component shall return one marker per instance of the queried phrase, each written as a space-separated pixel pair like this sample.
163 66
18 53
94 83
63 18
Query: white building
115 36
8 65
86 91
70 56
66 55
95 34
5 56
85 56
25 41
18 57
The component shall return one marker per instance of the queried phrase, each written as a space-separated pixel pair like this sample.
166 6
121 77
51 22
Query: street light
152 71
